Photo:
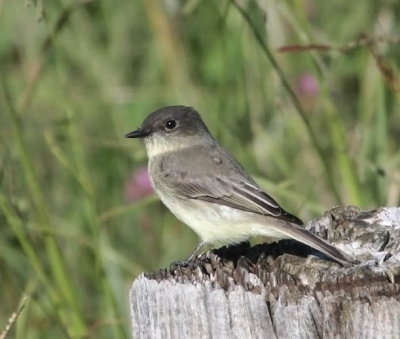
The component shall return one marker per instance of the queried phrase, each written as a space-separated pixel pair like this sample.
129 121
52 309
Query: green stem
83 176
296 103
58 268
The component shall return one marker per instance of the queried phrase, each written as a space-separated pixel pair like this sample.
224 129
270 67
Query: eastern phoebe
206 187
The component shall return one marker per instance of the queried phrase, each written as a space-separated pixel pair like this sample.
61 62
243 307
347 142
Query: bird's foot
189 262
181 264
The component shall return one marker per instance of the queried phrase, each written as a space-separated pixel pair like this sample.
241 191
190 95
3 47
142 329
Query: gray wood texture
281 290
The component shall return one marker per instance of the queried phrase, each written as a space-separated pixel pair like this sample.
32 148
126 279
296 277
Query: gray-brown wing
236 194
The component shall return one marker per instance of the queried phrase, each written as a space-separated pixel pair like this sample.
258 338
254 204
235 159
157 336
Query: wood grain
281 290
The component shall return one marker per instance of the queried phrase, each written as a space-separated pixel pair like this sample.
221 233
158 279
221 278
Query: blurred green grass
76 75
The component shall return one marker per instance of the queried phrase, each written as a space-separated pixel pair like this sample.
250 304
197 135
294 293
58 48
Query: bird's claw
180 264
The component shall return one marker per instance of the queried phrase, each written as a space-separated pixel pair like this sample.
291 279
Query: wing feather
236 194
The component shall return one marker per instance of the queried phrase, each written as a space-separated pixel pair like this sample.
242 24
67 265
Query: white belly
219 224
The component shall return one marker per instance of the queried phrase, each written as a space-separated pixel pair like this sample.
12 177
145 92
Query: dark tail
323 246
302 235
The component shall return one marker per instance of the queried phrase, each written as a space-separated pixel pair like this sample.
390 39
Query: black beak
139 133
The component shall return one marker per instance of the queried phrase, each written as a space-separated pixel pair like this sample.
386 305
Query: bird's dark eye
170 124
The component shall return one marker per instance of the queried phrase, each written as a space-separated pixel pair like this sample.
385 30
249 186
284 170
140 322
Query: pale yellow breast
215 223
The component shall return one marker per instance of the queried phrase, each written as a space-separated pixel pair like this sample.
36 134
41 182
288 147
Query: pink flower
307 85
138 185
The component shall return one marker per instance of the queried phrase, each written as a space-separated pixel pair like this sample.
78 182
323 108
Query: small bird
207 188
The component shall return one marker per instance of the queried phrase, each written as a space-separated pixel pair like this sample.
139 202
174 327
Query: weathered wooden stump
282 290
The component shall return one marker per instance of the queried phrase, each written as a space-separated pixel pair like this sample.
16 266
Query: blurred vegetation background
305 93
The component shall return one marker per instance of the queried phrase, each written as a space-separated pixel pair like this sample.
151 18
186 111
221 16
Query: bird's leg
196 251
186 262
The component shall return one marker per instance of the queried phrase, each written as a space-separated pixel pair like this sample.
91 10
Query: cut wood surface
281 290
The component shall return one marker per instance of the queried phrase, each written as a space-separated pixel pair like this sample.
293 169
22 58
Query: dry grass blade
363 41
12 320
